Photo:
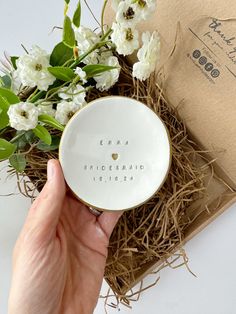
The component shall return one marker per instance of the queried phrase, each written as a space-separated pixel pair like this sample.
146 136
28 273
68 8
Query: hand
60 255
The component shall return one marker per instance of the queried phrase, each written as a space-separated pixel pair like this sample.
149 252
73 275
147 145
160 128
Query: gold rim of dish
167 173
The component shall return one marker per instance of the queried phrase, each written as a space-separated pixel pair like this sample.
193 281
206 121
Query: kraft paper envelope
199 71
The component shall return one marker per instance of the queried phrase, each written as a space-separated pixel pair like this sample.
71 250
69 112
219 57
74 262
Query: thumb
46 209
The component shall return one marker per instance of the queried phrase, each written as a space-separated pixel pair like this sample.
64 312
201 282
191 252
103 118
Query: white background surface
212 253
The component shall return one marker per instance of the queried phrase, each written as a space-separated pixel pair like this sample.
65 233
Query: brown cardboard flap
201 73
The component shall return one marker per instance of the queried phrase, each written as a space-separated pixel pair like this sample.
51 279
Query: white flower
141 70
151 47
74 93
125 39
81 74
32 69
86 39
104 55
23 116
145 8
107 79
46 108
65 110
148 56
115 4
127 13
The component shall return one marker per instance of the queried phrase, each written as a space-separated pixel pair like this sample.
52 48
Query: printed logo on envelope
213 47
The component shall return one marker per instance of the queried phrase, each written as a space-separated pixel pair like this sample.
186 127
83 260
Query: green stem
91 11
66 9
68 62
14 139
56 89
103 13
32 95
43 93
37 96
96 46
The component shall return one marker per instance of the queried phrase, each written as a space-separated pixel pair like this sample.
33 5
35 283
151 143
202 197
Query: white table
212 253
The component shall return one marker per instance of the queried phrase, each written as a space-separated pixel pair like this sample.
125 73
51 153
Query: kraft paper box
198 74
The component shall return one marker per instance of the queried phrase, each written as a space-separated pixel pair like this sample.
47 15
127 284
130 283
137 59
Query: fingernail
50 169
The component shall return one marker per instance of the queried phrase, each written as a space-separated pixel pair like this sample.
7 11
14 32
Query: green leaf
68 33
8 96
60 54
51 121
6 81
67 1
18 162
4 119
62 73
47 148
42 133
95 69
6 149
13 61
29 137
4 106
77 15
21 143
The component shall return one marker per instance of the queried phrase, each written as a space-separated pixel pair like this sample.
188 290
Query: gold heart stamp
114 156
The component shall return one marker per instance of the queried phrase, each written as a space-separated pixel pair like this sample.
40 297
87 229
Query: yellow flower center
24 114
129 34
129 14
70 115
38 67
142 3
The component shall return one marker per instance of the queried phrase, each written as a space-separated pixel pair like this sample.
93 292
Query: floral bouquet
40 92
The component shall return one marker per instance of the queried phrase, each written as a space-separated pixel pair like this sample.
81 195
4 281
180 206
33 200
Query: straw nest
151 232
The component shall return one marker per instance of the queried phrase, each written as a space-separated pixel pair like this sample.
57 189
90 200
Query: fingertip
54 170
51 169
